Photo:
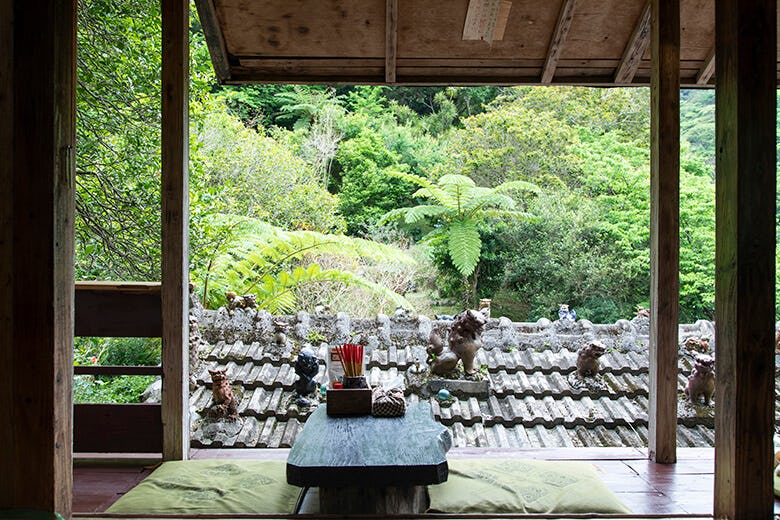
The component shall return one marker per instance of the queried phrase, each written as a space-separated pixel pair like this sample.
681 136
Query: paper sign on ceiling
486 20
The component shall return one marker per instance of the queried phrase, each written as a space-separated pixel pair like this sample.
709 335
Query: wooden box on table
342 402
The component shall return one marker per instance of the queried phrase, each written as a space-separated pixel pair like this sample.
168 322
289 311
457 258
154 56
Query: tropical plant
458 207
271 264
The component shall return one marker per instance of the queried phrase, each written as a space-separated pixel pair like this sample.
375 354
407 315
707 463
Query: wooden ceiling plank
636 48
214 38
504 7
707 70
558 39
391 40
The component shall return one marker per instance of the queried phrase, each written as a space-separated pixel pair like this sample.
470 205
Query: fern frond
488 201
428 189
517 186
464 245
275 294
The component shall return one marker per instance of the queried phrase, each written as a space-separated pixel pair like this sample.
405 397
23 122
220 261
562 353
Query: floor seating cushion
523 486
776 482
212 486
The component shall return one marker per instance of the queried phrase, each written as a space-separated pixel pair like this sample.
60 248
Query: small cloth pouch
388 402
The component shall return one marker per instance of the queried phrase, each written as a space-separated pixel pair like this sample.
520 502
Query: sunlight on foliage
257 258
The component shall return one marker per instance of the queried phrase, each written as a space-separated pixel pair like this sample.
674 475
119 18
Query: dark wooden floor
646 488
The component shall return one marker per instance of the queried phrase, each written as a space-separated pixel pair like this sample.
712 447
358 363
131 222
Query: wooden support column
6 248
745 82
37 140
664 228
175 229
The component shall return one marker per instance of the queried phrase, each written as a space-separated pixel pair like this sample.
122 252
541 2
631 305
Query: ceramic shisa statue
566 314
234 301
465 339
307 365
280 327
700 345
588 363
701 382
225 405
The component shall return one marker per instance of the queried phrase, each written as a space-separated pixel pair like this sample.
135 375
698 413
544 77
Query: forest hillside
362 198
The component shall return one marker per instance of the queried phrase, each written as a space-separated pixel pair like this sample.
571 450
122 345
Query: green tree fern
253 257
457 208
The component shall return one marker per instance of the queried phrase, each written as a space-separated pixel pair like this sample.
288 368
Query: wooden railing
118 309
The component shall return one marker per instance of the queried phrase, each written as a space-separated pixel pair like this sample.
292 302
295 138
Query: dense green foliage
275 166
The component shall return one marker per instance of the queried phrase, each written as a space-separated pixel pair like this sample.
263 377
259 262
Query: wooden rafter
565 17
214 38
707 70
391 39
636 48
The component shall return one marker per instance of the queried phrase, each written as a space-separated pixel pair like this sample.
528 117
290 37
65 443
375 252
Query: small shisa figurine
484 306
701 345
564 313
307 365
701 382
225 405
588 363
641 312
247 301
279 332
464 342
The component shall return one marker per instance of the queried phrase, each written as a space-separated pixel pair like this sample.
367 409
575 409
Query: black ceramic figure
306 367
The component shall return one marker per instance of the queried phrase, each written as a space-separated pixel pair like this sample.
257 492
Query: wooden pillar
37 140
664 228
746 43
175 228
6 244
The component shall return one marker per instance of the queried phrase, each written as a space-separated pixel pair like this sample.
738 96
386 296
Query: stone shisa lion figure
701 382
588 359
465 340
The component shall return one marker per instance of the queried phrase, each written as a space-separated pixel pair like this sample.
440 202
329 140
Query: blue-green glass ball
443 394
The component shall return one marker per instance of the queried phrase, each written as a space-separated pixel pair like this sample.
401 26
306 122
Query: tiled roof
536 399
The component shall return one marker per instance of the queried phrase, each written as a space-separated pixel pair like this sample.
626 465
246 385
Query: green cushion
212 486
776 484
523 486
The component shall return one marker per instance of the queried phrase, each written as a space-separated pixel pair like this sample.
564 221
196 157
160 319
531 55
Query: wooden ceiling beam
707 70
215 40
565 17
391 40
636 48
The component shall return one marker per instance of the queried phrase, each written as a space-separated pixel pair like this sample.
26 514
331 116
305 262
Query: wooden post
37 140
664 228
745 46
175 228
6 245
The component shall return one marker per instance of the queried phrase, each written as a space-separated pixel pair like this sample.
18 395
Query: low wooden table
370 464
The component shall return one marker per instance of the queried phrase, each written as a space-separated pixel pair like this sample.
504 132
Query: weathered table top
370 451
